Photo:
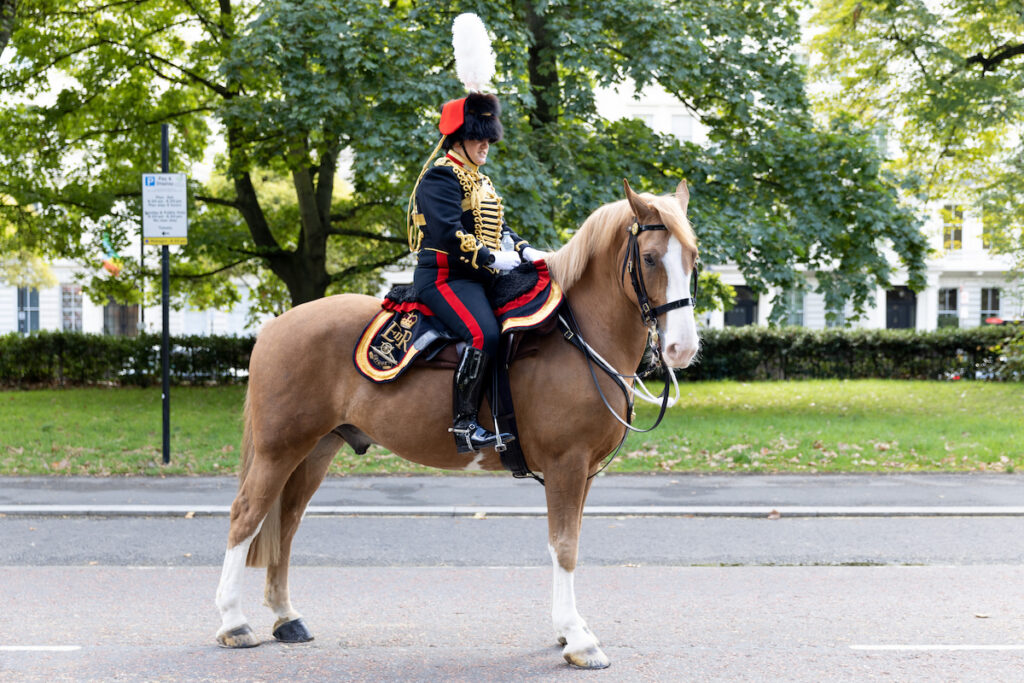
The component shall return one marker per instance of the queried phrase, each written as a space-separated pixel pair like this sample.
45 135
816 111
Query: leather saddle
406 332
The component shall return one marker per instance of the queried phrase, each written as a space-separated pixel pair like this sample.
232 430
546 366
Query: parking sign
164 209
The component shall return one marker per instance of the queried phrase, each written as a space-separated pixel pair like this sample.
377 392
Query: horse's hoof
562 641
240 637
293 631
591 658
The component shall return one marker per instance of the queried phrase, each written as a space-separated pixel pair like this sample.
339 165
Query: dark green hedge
740 353
760 353
63 358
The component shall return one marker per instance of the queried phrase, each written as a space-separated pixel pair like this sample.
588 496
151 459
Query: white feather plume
474 58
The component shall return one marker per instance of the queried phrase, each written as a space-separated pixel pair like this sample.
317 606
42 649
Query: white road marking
39 648
933 648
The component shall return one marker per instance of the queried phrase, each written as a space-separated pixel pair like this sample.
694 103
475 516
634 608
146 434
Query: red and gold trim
526 322
362 353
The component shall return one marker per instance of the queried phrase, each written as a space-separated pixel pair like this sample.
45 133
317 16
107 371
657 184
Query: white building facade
966 283
64 307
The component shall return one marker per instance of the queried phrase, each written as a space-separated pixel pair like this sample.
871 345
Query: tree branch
249 207
989 63
325 185
233 203
217 88
366 234
912 50
198 276
364 268
351 212
162 119
216 32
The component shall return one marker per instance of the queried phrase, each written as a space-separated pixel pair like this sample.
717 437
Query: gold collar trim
463 161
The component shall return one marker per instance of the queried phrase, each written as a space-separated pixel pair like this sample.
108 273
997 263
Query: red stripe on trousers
460 309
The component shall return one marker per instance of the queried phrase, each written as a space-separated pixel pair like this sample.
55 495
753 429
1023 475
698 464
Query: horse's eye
648 259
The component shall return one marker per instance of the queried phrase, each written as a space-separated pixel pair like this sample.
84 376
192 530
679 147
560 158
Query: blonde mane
605 228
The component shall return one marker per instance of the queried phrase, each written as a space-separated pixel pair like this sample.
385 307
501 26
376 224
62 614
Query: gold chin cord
413 232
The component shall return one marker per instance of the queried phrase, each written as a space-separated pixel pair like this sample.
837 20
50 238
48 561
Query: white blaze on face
679 341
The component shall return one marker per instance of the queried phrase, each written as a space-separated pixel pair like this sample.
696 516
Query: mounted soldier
459 234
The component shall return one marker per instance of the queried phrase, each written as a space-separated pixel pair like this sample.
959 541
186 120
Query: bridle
649 314
631 263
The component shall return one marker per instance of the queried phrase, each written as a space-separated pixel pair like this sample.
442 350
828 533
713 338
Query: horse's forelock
602 229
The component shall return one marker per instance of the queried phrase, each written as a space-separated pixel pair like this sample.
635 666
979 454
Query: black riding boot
470 377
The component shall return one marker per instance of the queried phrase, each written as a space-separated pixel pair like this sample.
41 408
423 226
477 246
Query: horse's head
661 258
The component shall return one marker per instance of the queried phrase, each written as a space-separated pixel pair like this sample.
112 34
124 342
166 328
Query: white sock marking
229 590
566 620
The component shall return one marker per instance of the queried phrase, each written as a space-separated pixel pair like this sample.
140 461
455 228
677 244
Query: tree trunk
542 68
7 10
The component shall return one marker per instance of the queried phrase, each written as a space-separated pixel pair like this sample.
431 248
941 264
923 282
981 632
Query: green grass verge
812 426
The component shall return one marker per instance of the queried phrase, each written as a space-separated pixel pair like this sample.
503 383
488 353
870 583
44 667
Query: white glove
531 254
505 260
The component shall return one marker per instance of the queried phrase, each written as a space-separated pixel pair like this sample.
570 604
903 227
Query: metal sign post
165 222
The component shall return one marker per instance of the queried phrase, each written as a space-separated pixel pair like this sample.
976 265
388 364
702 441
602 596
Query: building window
952 227
989 303
948 315
744 310
648 119
835 317
71 307
900 308
881 137
28 310
682 127
121 320
794 308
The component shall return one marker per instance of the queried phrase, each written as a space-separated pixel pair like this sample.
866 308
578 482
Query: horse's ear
683 195
644 212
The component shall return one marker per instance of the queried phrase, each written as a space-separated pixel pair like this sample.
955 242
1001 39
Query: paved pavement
401 578
665 494
484 624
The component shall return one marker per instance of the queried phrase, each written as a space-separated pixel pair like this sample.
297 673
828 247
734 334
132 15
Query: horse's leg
305 480
566 487
258 493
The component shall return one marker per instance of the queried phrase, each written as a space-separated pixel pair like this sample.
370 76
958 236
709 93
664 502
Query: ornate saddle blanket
405 330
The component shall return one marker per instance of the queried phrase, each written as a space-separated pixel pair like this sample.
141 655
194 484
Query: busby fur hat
480 120
478 115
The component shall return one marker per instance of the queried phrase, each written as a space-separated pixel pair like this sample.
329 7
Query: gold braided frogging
469 244
486 207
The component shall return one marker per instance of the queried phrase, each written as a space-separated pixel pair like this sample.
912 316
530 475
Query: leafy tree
945 80
7 10
295 91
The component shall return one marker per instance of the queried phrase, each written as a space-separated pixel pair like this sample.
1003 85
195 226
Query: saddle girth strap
512 457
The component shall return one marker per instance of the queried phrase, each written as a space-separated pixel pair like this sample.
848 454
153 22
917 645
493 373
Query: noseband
631 263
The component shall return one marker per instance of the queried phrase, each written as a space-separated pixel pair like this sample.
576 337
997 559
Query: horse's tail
266 547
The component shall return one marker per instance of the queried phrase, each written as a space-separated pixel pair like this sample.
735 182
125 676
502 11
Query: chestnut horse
306 399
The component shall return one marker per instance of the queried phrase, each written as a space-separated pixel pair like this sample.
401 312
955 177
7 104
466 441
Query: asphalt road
432 597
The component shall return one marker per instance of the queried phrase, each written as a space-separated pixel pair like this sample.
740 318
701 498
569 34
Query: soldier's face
476 150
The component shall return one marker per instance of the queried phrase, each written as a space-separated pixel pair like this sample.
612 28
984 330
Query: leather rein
649 314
